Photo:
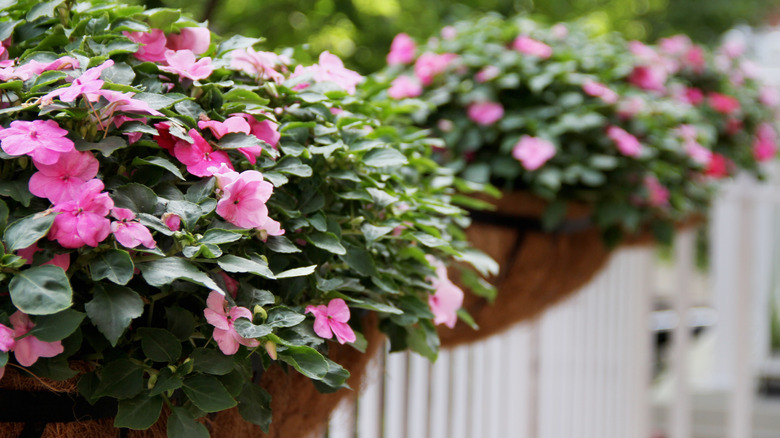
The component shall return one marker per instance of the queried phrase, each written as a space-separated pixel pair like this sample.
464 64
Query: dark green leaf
115 264
138 413
159 101
211 361
56 327
327 241
297 272
183 425
166 381
281 245
181 322
283 317
237 140
306 361
159 162
159 345
121 379
293 166
217 236
236 42
136 197
231 263
44 9
26 231
384 157
360 260
207 393
166 271
106 146
254 405
246 329
112 308
42 290
200 190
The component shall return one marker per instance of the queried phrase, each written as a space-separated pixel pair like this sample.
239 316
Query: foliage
201 271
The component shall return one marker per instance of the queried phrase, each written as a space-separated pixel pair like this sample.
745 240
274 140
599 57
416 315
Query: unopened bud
270 348
258 310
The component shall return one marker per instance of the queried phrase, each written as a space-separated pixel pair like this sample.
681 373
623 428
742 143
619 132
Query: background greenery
360 31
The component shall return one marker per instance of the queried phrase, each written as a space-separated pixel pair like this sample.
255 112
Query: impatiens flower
694 96
61 260
122 102
718 167
765 143
164 138
265 130
261 64
533 152
626 143
597 89
769 96
172 221
7 340
89 82
218 315
401 50
675 45
194 39
449 33
447 299
658 195
231 284
34 68
82 221
43 140
487 73
485 113
152 45
649 78
29 348
631 106
694 59
128 232
332 320
243 198
235 124
403 87
733 47
529 46
199 156
559 31
61 181
429 65
722 103
331 69
183 63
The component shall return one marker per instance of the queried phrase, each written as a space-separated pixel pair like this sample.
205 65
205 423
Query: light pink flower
29 348
243 199
649 78
7 340
265 130
403 87
401 50
235 124
769 96
195 39
152 45
43 140
430 64
447 298
34 68
658 194
631 106
332 320
627 144
183 63
199 156
488 73
733 47
331 69
172 221
89 82
559 31
675 45
128 232
122 102
61 260
529 46
485 113
597 89
218 315
82 221
722 103
696 151
765 142
261 64
533 152
61 181
449 33
694 59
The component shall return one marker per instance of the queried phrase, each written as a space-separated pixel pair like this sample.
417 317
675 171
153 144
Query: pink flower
243 198
401 50
260 64
675 45
29 348
559 31
199 156
332 320
265 130
233 124
696 151
449 33
533 152
152 45
649 78
7 340
694 59
331 69
447 298
218 315
61 260
765 142
769 96
34 68
183 63
718 167
122 102
631 106
627 144
597 89
61 181
89 82
231 285
694 96
529 46
658 194
722 103
82 221
733 47
403 87
172 221
430 64
488 73
130 233
485 113
194 39
43 140
164 138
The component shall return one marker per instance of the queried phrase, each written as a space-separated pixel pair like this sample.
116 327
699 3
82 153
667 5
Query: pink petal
343 332
338 310
226 341
216 319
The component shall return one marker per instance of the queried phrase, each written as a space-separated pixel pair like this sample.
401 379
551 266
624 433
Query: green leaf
207 393
189 212
112 308
306 361
554 215
244 95
335 379
136 197
217 236
372 232
181 322
297 272
237 140
26 231
236 42
159 162
211 361
3 214
106 146
384 157
247 330
166 381
56 327
138 413
480 261
45 9
42 290
119 73
254 405
281 245
121 379
231 263
293 166
162 18
56 368
115 264
200 190
159 101
182 425
281 316
159 345
166 271
327 241
360 260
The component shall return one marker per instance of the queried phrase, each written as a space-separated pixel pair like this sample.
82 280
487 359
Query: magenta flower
218 315
694 59
332 320
261 64
485 113
128 232
183 63
195 39
7 340
401 50
658 195
265 130
43 140
152 45
529 46
403 87
597 89
29 348
722 103
430 64
89 82
172 221
447 298
199 156
627 144
61 181
693 96
82 220
231 284
243 198
765 142
649 78
488 73
533 152
61 260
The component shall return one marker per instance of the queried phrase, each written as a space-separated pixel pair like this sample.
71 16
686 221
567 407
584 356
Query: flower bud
270 348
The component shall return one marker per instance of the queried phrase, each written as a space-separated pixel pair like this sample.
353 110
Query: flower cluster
640 133
174 205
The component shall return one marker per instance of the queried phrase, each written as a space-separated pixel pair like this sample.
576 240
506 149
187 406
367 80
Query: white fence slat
369 405
417 413
440 396
460 376
394 420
